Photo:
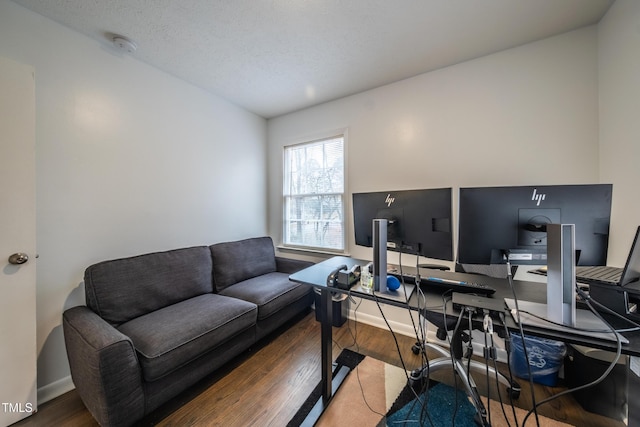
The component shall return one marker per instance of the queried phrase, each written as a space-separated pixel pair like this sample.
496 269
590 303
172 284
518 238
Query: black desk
316 276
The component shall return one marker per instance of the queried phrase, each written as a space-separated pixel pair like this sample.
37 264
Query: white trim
311 250
55 389
320 139
376 321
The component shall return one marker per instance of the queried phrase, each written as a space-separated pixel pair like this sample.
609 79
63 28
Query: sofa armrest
290 265
104 368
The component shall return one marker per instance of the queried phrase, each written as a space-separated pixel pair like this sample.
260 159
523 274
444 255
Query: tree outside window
314 195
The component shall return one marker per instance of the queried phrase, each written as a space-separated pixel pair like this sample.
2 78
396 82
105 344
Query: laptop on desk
612 276
615 276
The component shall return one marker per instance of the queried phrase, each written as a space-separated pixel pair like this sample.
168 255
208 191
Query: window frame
318 139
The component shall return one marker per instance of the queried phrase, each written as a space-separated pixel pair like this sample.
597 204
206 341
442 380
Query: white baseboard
397 327
57 388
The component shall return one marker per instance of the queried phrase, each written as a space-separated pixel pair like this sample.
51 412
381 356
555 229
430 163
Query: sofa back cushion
123 289
236 261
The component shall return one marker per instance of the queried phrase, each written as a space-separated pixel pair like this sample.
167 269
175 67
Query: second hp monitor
493 221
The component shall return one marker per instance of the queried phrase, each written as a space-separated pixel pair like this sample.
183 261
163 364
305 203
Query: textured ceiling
272 57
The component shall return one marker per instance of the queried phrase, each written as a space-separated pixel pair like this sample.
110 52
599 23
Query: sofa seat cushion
270 292
171 337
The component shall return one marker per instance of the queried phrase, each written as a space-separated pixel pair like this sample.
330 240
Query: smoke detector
124 44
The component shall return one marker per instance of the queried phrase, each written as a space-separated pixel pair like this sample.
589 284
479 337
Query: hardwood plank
270 382
65 410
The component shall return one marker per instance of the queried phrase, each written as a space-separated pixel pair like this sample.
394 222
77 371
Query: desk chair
460 362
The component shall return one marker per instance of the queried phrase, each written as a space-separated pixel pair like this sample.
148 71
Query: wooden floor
269 384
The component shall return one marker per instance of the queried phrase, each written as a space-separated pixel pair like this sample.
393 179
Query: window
314 204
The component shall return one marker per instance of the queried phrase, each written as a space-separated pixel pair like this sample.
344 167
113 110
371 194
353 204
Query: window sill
297 249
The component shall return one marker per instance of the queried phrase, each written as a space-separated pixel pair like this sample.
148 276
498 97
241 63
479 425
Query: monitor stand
587 323
379 254
560 313
403 293
561 274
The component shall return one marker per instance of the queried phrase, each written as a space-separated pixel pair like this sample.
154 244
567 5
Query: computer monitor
418 221
493 220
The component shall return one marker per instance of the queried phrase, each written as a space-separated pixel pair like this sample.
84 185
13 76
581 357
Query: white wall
527 115
129 160
619 90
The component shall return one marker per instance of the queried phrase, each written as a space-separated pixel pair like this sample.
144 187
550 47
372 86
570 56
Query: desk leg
329 382
326 319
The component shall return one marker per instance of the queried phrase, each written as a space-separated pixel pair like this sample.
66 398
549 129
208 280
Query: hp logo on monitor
537 197
389 200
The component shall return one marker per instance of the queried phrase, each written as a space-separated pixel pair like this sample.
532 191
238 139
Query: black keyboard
454 285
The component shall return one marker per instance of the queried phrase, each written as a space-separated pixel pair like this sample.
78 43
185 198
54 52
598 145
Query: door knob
18 258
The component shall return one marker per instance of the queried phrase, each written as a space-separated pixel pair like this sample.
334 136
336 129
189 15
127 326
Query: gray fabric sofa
155 324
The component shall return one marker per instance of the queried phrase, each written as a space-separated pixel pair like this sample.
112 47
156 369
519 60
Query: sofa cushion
173 336
123 289
234 262
270 292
